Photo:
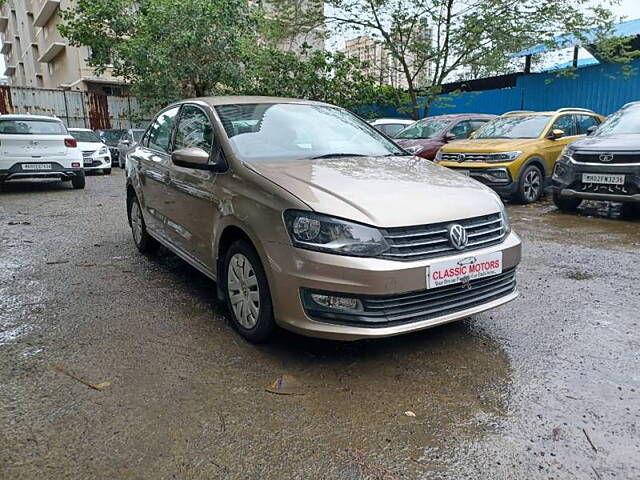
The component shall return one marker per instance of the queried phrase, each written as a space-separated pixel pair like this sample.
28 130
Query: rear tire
107 171
247 293
530 185
144 242
566 204
78 181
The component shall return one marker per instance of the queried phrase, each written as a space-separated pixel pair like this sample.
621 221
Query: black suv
603 166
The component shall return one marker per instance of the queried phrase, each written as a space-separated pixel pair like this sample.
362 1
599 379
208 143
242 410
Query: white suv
33 146
95 154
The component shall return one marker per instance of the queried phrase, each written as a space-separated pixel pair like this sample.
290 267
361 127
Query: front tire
247 293
566 204
144 242
78 182
531 185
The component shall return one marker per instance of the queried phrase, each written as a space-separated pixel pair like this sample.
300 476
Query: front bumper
57 171
567 182
97 163
292 271
497 177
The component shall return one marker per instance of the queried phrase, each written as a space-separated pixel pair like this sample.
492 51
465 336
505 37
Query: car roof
247 99
453 116
14 116
550 112
77 129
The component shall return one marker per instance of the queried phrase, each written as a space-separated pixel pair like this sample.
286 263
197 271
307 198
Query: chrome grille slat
436 294
417 306
426 241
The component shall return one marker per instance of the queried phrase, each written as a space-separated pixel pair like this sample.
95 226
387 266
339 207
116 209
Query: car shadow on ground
31 186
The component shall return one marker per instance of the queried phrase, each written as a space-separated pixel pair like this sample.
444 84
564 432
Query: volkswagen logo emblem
461 157
606 157
458 237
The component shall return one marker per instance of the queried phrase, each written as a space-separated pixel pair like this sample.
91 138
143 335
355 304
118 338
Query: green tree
431 42
166 50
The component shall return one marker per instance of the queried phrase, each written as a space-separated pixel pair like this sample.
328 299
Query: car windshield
289 131
620 123
423 129
515 126
32 127
85 136
111 135
137 135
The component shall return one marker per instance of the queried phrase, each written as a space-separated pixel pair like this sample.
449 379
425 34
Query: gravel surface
118 365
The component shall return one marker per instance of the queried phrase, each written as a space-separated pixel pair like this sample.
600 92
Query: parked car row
35 146
519 154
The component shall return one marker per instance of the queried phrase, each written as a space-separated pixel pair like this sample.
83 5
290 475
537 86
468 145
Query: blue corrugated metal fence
602 88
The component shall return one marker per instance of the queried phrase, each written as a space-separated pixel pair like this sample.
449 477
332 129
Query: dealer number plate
603 178
36 166
449 272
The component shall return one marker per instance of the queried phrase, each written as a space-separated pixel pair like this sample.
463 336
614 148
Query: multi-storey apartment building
382 64
36 55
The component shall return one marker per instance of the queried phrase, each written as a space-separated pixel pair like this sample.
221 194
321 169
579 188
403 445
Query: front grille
417 306
612 158
469 157
388 310
427 241
87 154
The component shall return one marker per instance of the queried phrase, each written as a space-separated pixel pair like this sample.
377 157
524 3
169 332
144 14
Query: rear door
32 141
153 157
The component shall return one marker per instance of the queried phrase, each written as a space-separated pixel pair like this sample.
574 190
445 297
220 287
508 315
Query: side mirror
556 133
449 137
592 129
473 134
195 158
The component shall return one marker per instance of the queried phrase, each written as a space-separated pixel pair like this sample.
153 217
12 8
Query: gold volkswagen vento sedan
308 218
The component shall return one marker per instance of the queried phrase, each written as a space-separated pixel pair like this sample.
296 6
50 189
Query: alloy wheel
243 290
136 223
531 185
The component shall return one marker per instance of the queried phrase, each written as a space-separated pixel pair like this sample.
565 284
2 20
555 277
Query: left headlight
567 153
323 233
103 151
505 218
503 157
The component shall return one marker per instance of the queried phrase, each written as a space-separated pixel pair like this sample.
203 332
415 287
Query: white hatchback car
95 153
391 126
33 146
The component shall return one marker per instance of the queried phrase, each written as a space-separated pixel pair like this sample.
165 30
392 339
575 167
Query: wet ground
546 387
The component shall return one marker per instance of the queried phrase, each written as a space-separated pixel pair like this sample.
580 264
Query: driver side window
567 124
462 130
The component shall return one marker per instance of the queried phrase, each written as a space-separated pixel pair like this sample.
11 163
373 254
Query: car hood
614 143
90 146
489 145
385 192
423 142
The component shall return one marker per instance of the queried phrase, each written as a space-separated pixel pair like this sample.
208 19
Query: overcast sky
627 8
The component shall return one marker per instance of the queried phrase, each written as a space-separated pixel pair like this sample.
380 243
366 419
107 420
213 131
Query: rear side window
32 127
159 137
585 122
463 129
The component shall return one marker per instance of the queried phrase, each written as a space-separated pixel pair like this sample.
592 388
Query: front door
193 213
153 157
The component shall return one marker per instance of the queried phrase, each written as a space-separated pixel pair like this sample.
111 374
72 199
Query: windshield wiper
337 155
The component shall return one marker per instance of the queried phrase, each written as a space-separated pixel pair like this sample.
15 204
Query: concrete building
36 55
382 65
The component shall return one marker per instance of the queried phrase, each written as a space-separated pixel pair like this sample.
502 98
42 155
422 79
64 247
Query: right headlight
415 149
503 157
438 156
567 153
314 231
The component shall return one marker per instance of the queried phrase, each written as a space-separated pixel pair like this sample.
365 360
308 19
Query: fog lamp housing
331 302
